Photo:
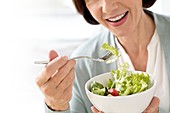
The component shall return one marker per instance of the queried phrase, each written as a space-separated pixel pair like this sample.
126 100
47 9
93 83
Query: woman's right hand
56 81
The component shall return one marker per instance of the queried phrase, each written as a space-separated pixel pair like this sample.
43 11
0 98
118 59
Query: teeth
117 18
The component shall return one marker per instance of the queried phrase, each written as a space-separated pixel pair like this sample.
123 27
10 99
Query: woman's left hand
94 110
152 108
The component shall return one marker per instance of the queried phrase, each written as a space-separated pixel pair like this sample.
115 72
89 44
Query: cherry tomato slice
113 92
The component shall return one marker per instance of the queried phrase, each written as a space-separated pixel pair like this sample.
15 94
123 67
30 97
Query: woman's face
119 16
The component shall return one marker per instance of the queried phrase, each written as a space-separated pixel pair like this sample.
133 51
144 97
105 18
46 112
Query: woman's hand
94 110
153 107
56 81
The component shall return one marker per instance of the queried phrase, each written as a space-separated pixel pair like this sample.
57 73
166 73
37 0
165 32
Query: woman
142 38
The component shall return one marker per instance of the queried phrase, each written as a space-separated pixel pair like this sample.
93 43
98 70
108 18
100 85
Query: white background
28 30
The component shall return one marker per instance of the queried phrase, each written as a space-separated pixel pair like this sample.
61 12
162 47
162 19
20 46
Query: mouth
118 20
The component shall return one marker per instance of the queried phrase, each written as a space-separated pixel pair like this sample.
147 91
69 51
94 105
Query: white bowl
135 103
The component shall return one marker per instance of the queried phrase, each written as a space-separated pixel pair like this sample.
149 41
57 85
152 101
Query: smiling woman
29 30
140 36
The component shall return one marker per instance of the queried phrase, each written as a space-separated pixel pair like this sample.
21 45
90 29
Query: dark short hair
80 6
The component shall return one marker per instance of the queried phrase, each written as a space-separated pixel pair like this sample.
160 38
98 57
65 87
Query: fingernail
64 57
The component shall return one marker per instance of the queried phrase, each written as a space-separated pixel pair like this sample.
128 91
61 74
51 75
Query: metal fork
105 58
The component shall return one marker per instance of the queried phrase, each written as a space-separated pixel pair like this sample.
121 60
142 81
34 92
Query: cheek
94 8
135 9
131 2
95 13
134 3
96 17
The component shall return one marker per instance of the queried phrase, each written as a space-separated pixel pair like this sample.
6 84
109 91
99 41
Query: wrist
58 108
55 107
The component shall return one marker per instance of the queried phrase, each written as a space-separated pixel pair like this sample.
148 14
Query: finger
56 64
62 73
50 69
52 54
50 88
62 85
67 94
153 105
68 91
67 82
94 110
62 99
48 91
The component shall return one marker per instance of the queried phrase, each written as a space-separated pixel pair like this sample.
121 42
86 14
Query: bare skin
56 81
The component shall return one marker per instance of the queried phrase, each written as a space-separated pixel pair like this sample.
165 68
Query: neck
138 41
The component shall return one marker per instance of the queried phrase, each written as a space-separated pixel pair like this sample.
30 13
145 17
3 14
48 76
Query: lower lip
116 24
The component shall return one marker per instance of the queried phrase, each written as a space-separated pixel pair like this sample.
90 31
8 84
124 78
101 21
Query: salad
113 50
123 82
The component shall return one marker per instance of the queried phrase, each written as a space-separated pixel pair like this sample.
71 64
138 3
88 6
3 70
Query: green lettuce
124 81
128 83
113 50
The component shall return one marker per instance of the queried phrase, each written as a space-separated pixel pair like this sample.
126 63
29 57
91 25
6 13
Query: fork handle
41 62
80 57
46 62
94 59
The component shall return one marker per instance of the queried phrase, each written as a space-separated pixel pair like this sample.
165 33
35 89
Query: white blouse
155 66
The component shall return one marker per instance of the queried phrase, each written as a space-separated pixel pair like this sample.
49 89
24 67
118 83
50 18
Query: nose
109 5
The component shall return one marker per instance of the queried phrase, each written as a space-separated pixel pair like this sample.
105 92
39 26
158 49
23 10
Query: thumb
42 78
52 54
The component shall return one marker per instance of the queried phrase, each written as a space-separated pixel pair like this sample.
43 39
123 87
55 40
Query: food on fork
113 50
